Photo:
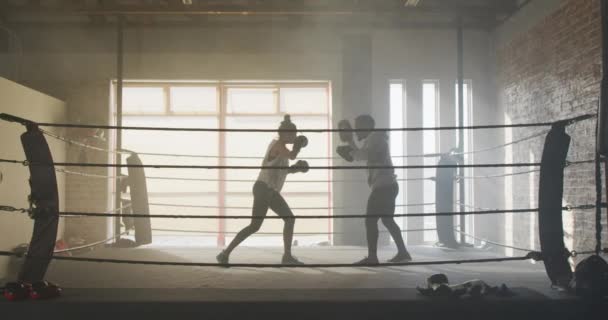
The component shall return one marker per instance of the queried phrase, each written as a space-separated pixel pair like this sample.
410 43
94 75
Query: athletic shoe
367 260
291 260
401 258
222 258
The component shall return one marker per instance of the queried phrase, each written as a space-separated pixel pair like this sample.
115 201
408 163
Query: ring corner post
44 205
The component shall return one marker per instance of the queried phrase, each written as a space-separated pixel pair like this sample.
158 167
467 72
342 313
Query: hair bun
286 124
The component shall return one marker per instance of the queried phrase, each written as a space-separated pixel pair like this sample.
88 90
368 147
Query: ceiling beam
268 8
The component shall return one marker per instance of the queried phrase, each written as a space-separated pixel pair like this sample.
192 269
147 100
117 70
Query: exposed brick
553 72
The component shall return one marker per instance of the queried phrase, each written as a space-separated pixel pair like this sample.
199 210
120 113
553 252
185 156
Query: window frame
221 115
437 145
469 146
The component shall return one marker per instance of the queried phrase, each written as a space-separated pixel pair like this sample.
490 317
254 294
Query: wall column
356 100
413 140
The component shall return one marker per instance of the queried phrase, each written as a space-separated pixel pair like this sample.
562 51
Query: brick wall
553 71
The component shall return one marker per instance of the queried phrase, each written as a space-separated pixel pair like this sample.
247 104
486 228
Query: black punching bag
550 195
45 200
139 200
444 201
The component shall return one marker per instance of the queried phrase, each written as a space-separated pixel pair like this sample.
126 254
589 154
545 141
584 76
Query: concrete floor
102 291
97 275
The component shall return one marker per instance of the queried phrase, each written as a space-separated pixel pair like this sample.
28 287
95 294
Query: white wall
14 188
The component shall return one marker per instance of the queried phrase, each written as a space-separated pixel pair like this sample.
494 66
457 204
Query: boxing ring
187 280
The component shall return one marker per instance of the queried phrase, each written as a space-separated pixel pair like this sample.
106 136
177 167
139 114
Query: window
397 141
430 107
194 99
468 146
309 108
252 100
144 100
303 100
176 191
226 105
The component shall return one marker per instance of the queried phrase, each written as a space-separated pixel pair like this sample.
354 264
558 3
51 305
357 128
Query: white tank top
274 178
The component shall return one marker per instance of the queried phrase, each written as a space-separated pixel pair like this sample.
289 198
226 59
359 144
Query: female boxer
267 189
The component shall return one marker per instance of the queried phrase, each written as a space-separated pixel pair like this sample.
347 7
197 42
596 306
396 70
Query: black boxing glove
345 136
300 166
345 153
300 142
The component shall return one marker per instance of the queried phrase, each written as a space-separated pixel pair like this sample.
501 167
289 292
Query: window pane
175 142
429 119
304 100
396 95
184 224
177 105
468 146
143 100
252 100
240 144
194 99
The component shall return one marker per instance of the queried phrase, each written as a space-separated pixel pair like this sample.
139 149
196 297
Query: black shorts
382 200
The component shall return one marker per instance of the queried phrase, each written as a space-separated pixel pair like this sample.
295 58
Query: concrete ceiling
405 13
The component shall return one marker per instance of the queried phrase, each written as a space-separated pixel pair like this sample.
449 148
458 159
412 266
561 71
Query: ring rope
90 245
572 253
90 175
575 253
293 208
119 209
11 209
504 175
88 146
571 163
295 181
566 208
506 144
478 210
427 155
208 167
307 217
280 233
568 121
532 255
492 242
